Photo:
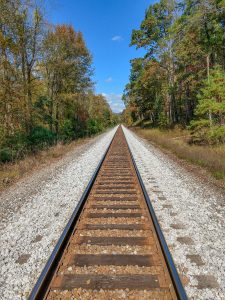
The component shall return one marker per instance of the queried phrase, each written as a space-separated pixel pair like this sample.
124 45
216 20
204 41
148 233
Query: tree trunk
24 76
57 120
208 78
207 67
29 100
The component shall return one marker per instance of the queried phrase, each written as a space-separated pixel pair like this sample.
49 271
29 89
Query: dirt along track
114 249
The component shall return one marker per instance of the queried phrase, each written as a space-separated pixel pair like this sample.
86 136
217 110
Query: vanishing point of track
112 247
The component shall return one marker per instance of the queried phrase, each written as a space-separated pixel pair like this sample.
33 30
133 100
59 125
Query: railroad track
112 246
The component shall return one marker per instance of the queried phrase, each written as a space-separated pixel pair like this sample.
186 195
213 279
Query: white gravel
31 222
28 235
193 207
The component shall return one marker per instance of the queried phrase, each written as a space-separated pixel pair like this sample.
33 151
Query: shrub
41 137
94 126
199 130
163 121
67 132
217 135
5 155
13 147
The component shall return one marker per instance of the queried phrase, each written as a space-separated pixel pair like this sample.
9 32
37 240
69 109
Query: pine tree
210 111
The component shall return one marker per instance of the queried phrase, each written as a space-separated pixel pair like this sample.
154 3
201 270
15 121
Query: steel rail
42 284
178 286
47 273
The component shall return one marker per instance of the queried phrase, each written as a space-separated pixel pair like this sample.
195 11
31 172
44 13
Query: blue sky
106 26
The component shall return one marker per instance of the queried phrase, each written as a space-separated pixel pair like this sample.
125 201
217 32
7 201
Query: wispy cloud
117 38
115 102
109 79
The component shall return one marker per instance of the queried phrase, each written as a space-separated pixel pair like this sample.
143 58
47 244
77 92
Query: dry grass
11 172
211 158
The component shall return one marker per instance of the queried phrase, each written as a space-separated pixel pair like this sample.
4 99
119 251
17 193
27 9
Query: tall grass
210 157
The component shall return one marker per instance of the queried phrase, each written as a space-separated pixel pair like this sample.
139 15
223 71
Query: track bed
114 251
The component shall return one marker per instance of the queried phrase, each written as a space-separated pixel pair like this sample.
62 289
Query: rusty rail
113 245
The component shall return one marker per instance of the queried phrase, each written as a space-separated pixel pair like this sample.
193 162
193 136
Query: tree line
46 87
181 78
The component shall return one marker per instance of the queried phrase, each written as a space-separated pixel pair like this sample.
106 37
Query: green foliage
212 96
5 155
210 111
203 133
42 108
181 78
155 27
217 135
18 144
71 129
40 137
199 131
94 126
14 146
163 121
67 132
46 87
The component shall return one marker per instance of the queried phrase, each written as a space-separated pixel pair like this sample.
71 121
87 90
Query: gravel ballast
34 213
191 215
